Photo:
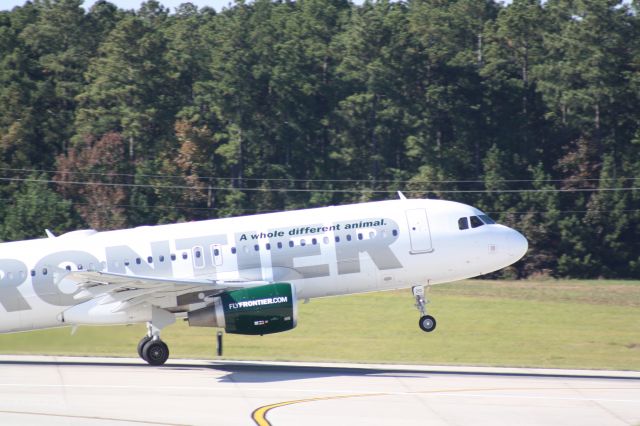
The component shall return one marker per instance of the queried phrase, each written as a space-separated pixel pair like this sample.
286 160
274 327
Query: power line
259 211
360 190
249 179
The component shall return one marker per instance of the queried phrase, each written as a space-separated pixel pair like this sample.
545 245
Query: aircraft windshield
474 221
486 219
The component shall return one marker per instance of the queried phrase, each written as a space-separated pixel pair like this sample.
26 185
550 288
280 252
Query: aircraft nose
517 244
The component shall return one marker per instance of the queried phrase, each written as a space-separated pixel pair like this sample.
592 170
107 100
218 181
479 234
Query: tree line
530 111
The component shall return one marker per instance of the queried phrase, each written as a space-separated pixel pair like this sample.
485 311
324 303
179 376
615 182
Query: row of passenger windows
216 251
475 221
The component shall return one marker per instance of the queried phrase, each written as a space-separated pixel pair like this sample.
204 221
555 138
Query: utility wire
259 211
363 190
309 180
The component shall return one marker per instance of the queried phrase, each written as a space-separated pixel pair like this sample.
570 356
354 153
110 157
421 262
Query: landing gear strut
426 322
151 348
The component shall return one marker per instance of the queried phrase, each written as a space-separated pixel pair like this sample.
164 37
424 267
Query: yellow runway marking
259 415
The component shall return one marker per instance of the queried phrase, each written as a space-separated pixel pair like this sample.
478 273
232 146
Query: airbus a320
246 274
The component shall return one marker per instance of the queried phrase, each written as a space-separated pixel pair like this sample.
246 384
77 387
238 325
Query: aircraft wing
92 278
131 290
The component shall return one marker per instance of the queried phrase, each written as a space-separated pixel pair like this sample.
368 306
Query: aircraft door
419 232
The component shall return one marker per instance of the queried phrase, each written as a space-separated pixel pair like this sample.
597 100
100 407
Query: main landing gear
151 348
426 322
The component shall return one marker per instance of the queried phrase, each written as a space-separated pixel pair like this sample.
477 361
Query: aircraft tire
427 323
155 352
141 344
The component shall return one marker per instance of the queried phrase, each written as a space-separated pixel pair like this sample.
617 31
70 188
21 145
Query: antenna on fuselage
49 233
401 195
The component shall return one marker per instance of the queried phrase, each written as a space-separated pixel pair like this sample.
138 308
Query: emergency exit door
419 232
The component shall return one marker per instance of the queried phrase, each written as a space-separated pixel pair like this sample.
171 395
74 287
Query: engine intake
266 309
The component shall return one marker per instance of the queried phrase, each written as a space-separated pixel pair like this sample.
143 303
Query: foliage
529 111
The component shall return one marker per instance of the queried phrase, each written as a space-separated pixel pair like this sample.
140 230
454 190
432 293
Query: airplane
246 274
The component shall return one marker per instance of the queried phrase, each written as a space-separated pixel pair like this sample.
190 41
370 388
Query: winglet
401 195
49 233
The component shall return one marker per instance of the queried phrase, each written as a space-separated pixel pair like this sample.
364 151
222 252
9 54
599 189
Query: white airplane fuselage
322 252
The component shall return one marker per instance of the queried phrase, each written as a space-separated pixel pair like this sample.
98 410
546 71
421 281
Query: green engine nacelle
266 309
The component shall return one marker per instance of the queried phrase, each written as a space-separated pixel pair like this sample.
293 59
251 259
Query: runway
74 391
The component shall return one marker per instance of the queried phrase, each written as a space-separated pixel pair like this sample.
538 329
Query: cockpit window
486 219
475 221
463 223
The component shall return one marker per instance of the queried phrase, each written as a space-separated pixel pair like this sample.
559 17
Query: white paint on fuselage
456 254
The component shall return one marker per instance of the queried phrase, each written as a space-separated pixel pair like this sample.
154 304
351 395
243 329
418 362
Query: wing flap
88 279
126 291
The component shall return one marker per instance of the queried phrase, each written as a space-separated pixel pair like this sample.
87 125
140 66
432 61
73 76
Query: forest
530 111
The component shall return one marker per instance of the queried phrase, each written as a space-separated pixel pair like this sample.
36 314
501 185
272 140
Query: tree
93 174
514 109
375 118
128 89
36 207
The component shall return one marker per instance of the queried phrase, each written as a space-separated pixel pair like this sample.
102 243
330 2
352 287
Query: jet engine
266 309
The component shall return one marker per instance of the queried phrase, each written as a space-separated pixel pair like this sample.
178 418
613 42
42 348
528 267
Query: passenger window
394 232
360 236
279 245
138 261
348 237
325 240
475 221
44 271
126 262
314 241
68 267
173 256
184 255
290 243
303 242
256 247
337 239
372 234
267 246
161 258
463 223
33 273
149 259
233 250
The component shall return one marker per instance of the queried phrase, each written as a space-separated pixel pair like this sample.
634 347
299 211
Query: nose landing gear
426 322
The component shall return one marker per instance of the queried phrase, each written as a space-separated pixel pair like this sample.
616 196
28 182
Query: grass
563 324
